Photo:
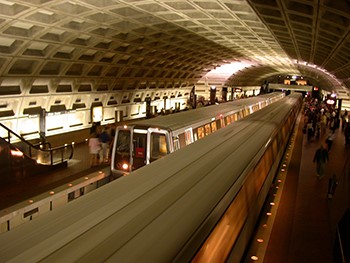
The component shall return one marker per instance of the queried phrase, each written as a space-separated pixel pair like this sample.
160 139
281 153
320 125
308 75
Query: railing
41 152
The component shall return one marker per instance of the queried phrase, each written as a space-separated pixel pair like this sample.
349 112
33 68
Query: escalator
20 158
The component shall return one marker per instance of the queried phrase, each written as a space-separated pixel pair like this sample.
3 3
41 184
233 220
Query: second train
141 142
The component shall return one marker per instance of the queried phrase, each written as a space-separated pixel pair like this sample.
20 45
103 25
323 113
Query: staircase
20 158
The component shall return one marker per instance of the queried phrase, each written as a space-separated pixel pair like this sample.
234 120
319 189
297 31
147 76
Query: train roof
186 118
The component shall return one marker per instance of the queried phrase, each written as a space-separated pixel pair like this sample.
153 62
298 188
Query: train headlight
125 166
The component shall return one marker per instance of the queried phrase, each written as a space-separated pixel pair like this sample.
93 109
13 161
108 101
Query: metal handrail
39 151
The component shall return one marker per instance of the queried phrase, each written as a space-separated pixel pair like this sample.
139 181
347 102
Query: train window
188 136
221 124
249 186
279 140
261 175
122 150
176 142
226 232
268 158
71 196
159 147
228 120
274 148
207 129
213 126
284 133
123 142
200 132
182 140
195 136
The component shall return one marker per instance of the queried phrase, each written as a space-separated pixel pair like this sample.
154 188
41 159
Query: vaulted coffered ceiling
136 44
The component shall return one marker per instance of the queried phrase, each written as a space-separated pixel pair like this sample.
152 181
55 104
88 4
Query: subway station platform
78 166
303 228
302 224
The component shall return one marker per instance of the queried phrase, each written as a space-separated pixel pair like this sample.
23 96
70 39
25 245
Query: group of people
320 119
100 142
317 118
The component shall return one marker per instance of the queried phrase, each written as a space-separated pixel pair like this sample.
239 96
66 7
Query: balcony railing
41 152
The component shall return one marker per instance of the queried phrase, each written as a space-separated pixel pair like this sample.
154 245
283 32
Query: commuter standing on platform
94 149
323 123
321 158
105 140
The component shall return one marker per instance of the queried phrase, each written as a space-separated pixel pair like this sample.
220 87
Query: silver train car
142 142
199 204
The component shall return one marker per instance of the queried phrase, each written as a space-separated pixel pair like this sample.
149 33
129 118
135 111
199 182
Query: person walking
321 158
310 131
329 140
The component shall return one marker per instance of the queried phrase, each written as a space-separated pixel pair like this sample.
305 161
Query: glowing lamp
16 153
125 166
330 102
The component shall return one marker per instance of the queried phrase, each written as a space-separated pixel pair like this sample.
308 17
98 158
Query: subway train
198 204
142 142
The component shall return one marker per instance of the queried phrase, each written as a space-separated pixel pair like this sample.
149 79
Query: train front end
136 146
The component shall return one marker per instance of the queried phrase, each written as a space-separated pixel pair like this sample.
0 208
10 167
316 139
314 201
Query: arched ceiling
136 44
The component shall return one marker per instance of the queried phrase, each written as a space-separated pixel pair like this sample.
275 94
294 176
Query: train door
140 149
189 136
159 145
185 138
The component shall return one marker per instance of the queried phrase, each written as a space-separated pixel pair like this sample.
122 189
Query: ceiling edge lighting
324 71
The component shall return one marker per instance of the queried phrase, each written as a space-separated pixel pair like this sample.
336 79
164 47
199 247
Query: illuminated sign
97 114
330 102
